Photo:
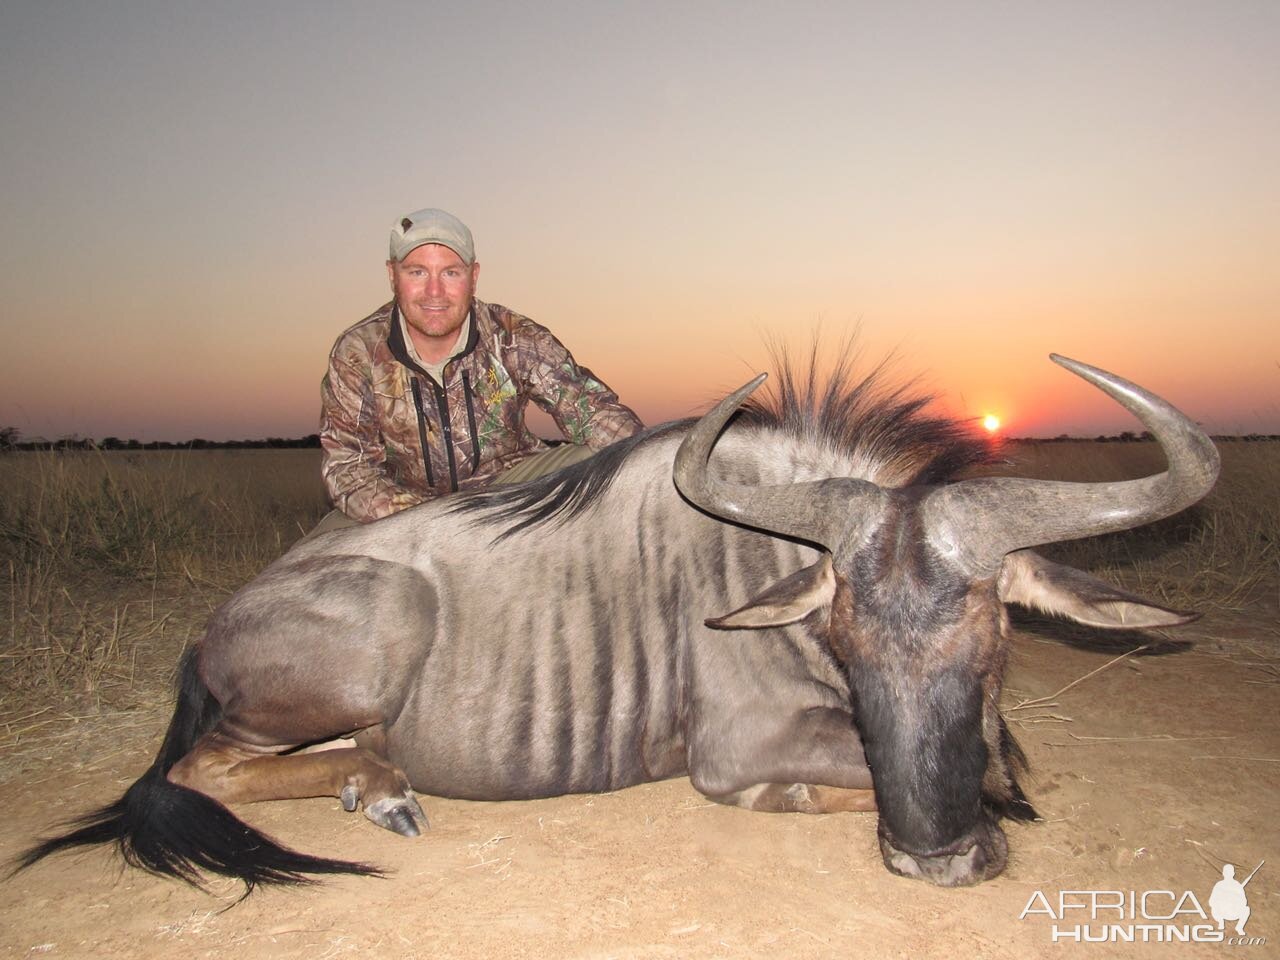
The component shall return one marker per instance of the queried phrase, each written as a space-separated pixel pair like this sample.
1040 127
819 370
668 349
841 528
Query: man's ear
1029 579
787 601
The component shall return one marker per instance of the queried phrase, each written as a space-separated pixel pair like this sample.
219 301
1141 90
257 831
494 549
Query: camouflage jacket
393 437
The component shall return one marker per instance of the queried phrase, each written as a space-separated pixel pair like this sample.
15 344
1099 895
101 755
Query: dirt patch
1149 775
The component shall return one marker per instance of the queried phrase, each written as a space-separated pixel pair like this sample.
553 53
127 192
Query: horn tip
747 389
1081 369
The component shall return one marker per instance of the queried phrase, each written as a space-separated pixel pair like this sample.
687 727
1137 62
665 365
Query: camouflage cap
431 226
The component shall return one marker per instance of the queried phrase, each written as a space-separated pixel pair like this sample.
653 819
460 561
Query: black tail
176 832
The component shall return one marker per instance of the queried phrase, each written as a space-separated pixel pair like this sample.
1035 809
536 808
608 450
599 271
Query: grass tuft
114 558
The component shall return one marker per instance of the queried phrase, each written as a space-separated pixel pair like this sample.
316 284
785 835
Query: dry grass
219 514
113 560
1223 553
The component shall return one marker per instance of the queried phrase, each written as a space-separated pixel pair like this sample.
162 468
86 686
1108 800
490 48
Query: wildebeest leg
371 738
232 771
299 657
800 798
811 762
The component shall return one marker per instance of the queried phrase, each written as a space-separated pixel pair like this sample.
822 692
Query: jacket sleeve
583 407
353 461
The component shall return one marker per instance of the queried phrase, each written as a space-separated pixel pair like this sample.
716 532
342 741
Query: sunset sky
195 197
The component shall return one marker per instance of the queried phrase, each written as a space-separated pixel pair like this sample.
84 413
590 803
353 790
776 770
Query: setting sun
991 423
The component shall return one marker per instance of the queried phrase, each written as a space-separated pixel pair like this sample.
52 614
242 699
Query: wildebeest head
914 583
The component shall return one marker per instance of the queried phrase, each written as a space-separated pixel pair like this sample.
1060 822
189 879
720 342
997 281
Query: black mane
561 495
865 416
862 417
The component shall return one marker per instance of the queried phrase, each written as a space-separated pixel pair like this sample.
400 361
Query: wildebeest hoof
350 796
400 815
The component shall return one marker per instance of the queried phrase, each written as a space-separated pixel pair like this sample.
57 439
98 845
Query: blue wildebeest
554 637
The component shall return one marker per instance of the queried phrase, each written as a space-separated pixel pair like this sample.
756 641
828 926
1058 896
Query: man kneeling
427 395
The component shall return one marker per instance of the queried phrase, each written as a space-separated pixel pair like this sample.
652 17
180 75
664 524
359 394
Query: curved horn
818 511
979 521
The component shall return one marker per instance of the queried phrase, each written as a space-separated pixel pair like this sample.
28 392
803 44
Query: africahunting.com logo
1149 916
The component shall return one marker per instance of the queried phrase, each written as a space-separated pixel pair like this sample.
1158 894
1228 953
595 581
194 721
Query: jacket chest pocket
493 397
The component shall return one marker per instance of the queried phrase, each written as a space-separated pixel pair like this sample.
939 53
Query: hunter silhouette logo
1148 916
1228 900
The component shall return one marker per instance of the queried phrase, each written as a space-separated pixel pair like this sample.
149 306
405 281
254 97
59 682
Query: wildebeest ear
787 601
1029 579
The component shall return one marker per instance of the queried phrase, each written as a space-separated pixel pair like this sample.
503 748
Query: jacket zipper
442 404
422 430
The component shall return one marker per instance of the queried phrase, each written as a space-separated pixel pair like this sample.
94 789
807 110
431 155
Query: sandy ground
1149 775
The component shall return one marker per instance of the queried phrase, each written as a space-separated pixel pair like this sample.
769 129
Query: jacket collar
400 350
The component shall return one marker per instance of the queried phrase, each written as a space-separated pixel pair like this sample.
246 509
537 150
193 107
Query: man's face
434 287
